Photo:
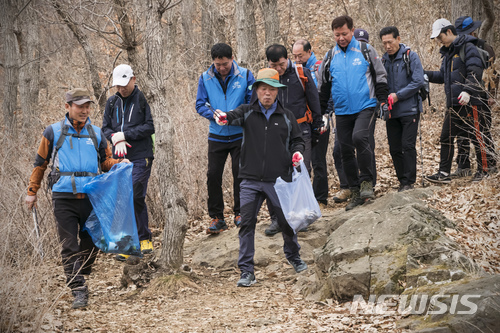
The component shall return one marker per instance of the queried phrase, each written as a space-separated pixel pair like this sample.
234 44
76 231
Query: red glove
296 158
390 102
220 117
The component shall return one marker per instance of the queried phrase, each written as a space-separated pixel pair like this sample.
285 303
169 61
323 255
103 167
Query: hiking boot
146 246
355 200
246 279
460 173
217 226
122 257
342 195
81 295
406 187
478 176
298 264
439 178
366 190
237 220
273 229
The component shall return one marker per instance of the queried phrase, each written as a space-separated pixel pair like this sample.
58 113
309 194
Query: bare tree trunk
246 33
188 12
212 28
154 88
271 21
29 71
489 15
83 39
461 7
11 65
130 37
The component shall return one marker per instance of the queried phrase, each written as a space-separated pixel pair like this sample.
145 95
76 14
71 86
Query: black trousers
463 121
463 143
355 134
78 252
402 138
217 155
253 193
320 171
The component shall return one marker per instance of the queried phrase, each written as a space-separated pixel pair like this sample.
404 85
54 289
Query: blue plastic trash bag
297 199
112 223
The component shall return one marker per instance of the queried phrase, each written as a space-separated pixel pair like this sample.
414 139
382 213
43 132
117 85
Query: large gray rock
475 304
393 243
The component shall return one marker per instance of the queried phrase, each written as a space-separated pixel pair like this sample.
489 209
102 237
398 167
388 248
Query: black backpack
424 91
483 54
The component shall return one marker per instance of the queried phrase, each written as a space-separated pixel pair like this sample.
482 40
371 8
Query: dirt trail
208 301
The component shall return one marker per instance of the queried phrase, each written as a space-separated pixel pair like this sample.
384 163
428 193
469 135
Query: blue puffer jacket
77 154
352 87
458 76
405 86
225 99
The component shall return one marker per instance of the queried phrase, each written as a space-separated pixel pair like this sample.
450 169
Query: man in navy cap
465 25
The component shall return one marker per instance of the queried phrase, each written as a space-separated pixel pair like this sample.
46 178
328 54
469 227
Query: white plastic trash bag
297 199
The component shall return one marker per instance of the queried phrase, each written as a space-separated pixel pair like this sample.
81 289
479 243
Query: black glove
384 111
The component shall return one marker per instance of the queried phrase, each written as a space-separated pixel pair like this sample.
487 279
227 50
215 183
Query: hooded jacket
458 75
405 86
268 145
131 116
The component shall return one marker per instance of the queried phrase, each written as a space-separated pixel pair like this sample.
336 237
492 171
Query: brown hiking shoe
342 195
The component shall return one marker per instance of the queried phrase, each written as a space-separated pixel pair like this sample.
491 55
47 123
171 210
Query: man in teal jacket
223 87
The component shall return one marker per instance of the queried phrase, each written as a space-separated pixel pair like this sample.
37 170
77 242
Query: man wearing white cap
465 25
128 124
463 95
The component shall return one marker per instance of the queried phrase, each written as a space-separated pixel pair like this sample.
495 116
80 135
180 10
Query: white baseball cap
122 75
438 25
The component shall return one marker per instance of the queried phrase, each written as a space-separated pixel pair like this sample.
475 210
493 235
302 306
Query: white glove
117 137
464 98
296 158
220 118
325 124
121 148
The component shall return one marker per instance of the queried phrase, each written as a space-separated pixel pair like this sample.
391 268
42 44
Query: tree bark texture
271 21
246 33
482 10
212 28
130 36
188 12
154 88
489 20
84 42
11 63
29 71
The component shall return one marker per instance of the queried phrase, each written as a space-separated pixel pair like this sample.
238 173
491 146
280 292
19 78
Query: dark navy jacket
295 99
133 120
458 76
405 86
